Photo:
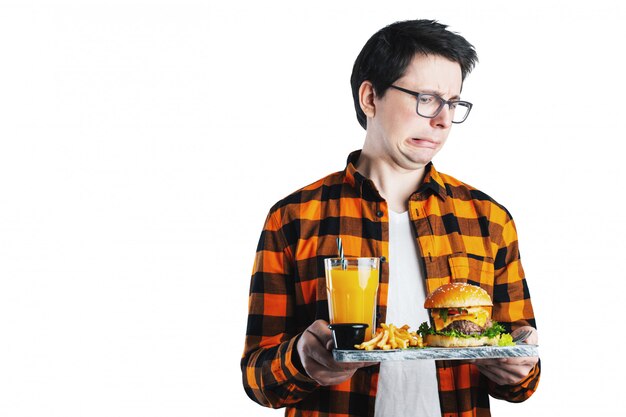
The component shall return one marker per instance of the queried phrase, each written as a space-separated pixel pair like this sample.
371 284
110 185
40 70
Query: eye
426 99
453 105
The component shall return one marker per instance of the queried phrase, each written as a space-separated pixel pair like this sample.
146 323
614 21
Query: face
395 132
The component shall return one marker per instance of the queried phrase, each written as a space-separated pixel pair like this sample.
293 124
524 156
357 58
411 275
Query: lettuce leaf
495 330
506 340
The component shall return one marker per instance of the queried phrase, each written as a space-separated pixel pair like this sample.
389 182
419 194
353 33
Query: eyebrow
439 93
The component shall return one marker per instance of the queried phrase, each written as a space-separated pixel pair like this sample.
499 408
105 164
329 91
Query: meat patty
468 327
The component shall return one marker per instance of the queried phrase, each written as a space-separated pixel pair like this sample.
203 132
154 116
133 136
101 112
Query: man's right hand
314 348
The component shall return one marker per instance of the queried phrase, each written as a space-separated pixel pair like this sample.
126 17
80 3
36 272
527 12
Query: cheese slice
478 315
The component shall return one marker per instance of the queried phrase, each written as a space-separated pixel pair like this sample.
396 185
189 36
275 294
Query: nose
444 119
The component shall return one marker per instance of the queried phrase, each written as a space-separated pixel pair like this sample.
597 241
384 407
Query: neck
395 184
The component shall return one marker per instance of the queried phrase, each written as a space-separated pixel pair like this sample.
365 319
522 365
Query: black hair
386 55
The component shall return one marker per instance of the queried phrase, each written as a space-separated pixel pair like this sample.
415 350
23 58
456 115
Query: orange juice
352 291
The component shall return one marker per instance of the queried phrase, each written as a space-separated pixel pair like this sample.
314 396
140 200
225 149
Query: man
428 229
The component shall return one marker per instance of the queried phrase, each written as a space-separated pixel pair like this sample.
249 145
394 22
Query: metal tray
481 352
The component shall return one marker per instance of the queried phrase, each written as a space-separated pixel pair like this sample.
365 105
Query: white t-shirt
406 388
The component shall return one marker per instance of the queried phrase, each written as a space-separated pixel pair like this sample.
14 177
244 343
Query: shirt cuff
293 367
295 357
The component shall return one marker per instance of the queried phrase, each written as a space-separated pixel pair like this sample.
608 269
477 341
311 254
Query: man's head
387 54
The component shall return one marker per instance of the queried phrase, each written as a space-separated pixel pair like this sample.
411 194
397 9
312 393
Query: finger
324 357
488 362
506 375
515 374
533 339
508 363
507 370
502 362
491 375
316 351
330 344
320 328
325 375
322 333
521 360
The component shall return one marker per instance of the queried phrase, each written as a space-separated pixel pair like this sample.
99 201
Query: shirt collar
432 180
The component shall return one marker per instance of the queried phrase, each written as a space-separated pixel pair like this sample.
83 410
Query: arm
511 379
272 373
281 365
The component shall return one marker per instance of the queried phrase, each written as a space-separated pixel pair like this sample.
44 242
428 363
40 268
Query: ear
366 98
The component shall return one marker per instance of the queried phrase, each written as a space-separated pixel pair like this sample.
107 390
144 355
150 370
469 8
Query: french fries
389 337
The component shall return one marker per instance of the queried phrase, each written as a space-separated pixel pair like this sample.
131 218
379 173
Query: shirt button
379 213
383 259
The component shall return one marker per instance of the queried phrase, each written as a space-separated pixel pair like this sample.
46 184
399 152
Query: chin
418 160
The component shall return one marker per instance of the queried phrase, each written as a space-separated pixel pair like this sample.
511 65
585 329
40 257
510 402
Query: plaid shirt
463 235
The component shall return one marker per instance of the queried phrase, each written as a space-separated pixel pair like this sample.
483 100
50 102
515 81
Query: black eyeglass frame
441 101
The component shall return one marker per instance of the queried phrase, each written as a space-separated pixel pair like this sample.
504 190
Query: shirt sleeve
271 370
512 308
518 392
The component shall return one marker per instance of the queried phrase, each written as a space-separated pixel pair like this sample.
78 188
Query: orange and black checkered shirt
463 235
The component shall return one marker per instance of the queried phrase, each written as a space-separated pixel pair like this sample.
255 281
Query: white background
143 142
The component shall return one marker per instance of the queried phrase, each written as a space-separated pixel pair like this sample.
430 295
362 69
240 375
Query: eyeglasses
430 105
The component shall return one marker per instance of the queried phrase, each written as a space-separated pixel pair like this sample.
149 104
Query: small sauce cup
346 335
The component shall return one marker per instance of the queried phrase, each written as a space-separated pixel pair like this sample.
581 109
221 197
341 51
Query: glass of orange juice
352 286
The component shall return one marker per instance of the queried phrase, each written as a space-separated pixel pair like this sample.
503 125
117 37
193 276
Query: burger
461 317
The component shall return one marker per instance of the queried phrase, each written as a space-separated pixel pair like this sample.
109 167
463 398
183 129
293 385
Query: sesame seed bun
436 340
458 294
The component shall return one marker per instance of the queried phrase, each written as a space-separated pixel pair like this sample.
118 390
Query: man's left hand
509 371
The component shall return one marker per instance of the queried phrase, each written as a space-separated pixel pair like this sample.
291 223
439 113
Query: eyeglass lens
429 105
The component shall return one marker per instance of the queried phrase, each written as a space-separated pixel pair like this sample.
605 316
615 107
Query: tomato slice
456 311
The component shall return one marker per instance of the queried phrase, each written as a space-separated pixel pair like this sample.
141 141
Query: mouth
424 143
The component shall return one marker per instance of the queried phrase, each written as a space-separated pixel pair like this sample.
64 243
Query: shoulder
462 193
328 187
